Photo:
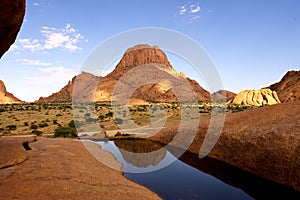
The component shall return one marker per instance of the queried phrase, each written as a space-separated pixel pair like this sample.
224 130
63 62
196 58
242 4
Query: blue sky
253 43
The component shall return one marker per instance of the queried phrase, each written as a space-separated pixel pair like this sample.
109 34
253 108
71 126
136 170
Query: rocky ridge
6 97
288 88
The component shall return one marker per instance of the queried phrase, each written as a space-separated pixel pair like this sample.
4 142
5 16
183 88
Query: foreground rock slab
64 169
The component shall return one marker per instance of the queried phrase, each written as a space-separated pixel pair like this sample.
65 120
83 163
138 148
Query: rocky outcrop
223 96
147 62
83 81
140 55
12 14
6 97
264 141
256 97
288 88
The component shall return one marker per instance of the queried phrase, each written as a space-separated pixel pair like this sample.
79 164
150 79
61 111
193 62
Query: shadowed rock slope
12 14
288 88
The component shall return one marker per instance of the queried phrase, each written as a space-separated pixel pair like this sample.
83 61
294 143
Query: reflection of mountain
141 153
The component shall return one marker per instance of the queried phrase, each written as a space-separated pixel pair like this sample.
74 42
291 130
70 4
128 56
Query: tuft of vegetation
72 124
33 126
37 132
44 124
65 132
118 134
11 127
26 146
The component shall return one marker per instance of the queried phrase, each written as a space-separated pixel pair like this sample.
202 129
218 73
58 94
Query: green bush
118 134
65 132
11 127
33 126
26 146
44 124
37 132
72 124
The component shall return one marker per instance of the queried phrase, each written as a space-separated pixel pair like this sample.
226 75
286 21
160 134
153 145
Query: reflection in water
190 177
141 153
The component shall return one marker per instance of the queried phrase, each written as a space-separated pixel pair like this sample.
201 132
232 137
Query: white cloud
182 10
30 44
33 62
195 8
36 4
66 38
53 75
189 11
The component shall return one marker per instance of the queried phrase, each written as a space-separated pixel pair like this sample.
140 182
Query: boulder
256 97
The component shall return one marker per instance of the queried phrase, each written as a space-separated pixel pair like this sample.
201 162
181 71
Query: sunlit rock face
256 97
6 97
288 88
12 14
139 63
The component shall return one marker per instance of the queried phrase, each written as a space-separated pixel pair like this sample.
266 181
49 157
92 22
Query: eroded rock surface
256 97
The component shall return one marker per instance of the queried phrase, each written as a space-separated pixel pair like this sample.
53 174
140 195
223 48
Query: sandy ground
61 169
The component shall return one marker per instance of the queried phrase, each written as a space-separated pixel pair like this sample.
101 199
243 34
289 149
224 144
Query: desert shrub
44 124
37 132
101 117
1 129
26 146
118 121
11 127
65 131
72 124
26 124
33 126
109 114
118 134
55 121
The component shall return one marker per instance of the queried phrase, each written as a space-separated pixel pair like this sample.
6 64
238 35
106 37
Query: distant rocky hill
288 88
138 61
83 80
256 97
223 95
6 97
